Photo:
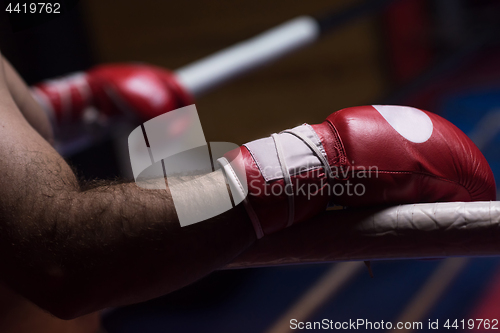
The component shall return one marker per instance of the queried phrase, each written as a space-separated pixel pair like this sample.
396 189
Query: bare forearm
120 244
140 249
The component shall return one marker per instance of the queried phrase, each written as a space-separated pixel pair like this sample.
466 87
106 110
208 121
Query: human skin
73 251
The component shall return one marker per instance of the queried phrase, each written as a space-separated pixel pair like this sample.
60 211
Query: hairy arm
73 252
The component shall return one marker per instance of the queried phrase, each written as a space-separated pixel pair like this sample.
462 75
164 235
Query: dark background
440 55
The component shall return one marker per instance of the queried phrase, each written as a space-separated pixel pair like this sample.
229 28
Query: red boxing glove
360 156
138 91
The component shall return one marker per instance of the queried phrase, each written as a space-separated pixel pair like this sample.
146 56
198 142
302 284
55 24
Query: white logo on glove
412 124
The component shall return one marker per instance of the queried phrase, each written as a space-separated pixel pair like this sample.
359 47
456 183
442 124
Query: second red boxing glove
139 91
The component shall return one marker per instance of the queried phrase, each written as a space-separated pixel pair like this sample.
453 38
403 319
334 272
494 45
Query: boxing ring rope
434 230
249 55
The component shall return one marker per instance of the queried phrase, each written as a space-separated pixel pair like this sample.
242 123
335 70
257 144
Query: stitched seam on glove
339 145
